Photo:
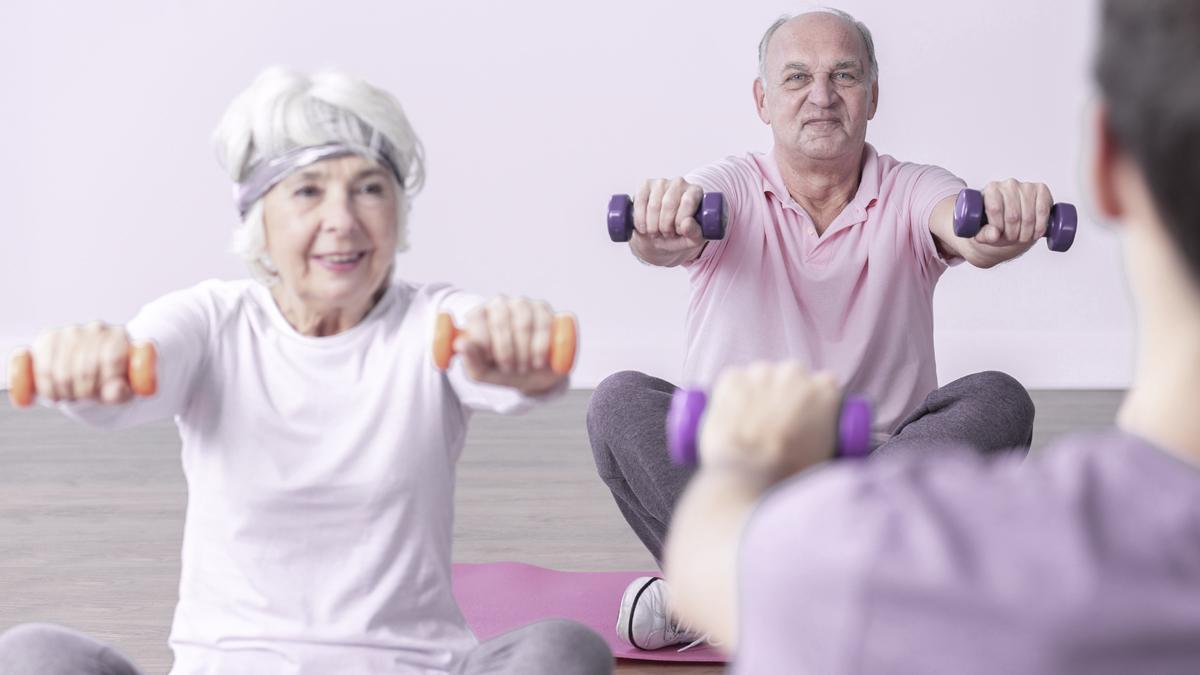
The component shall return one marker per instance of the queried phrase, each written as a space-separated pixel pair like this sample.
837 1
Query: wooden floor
90 522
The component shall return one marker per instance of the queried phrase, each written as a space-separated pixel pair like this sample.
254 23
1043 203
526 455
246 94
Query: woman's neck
322 321
1162 404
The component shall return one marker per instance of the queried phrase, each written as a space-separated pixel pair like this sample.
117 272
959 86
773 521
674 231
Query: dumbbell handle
143 374
970 216
563 341
687 407
712 215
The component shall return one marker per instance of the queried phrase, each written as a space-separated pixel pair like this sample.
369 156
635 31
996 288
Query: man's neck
822 188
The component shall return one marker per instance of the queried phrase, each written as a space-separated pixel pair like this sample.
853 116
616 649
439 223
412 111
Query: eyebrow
314 174
840 65
373 172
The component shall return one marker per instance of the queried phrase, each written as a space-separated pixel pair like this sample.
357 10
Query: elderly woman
319 441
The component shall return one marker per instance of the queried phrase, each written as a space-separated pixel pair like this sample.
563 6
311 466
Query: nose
821 94
337 213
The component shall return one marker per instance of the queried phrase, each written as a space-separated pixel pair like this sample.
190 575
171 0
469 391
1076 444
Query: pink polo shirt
856 301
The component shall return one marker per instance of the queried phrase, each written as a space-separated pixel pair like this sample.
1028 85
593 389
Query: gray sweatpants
556 647
988 411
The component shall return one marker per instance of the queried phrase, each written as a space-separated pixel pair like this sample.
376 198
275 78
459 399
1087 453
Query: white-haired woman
319 442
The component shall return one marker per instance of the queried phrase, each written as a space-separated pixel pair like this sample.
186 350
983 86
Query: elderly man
831 257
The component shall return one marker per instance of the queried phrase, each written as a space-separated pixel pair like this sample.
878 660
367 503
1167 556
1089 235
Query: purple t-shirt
1084 559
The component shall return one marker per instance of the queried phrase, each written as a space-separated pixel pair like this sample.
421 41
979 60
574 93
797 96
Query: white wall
532 113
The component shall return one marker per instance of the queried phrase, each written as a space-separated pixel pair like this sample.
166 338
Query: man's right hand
666 231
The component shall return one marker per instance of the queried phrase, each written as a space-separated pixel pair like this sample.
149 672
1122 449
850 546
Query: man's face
817 93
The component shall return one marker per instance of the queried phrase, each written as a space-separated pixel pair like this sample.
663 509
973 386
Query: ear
1104 168
874 100
760 101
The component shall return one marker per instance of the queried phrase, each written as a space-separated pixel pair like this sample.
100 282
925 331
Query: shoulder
429 296
879 489
417 300
894 172
213 299
961 516
744 171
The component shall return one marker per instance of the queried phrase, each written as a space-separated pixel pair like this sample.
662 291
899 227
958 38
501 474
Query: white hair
283 110
863 31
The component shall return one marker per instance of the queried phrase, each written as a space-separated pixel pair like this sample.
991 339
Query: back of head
1148 68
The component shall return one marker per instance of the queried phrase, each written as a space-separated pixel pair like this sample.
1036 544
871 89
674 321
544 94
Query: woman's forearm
702 549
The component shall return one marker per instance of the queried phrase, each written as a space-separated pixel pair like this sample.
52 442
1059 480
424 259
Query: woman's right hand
666 231
83 363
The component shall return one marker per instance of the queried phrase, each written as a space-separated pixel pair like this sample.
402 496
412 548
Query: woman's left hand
507 342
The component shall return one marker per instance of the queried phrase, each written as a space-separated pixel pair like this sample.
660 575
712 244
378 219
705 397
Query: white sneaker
645 619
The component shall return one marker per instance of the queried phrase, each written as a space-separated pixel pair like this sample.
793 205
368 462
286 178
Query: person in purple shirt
1082 559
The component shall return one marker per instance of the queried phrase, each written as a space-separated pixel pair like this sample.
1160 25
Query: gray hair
863 31
283 110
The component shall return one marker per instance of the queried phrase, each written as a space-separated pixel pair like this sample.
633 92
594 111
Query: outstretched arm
1017 214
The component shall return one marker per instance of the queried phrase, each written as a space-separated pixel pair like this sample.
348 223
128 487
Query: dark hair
1148 68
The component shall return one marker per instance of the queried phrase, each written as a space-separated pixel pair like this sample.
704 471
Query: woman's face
331 231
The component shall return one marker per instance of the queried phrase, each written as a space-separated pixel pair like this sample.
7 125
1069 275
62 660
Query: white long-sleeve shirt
320 477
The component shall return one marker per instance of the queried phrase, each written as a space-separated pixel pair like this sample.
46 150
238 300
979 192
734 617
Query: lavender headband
267 173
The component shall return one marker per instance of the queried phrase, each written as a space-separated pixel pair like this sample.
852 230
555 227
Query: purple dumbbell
687 406
711 215
969 218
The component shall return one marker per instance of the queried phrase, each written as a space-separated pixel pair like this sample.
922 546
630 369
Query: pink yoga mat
498 597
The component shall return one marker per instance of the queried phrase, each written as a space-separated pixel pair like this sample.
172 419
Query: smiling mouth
340 262
341 258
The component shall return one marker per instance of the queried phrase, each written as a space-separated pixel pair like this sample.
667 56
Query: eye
307 190
843 76
374 188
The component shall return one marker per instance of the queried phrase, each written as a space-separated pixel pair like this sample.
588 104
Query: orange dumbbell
143 374
562 342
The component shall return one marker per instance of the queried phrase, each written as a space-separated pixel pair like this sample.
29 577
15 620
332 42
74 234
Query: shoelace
693 643
687 628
